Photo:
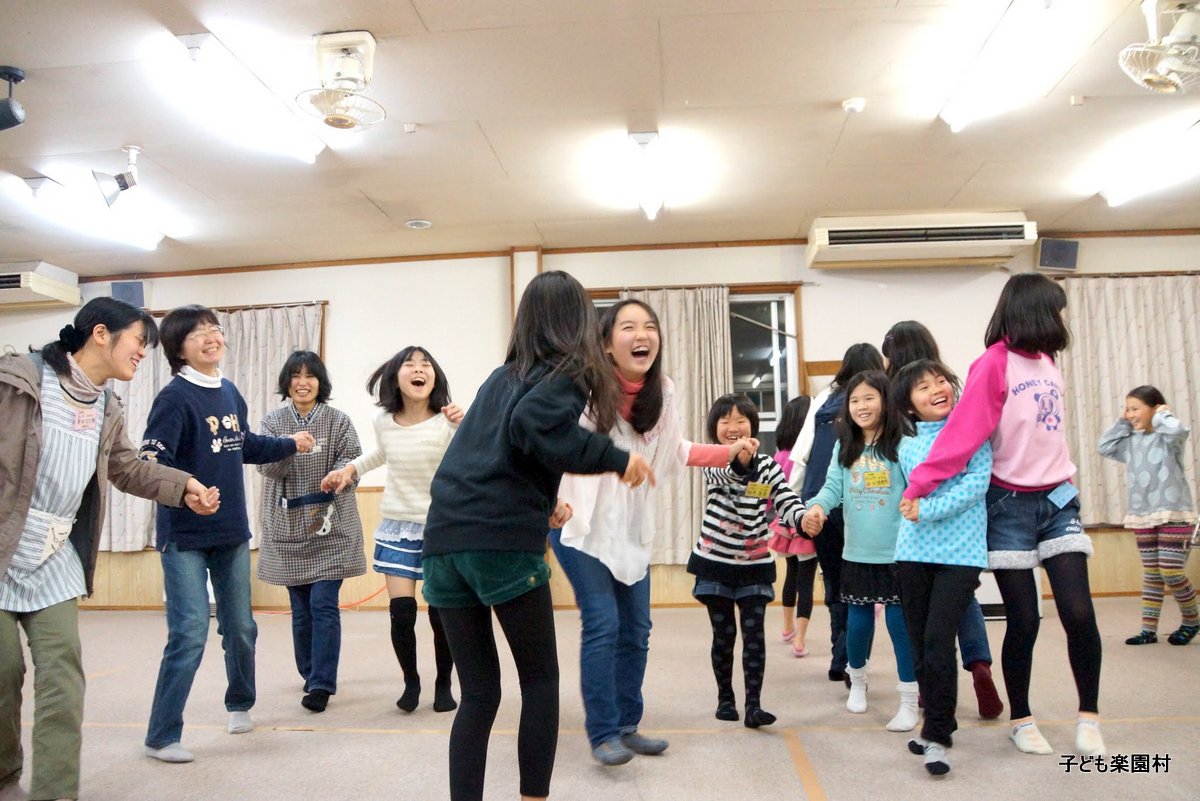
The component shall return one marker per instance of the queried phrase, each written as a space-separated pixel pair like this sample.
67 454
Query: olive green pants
53 636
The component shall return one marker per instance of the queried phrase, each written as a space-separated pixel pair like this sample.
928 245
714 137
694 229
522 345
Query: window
764 356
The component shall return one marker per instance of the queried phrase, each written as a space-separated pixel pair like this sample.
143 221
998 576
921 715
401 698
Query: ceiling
505 95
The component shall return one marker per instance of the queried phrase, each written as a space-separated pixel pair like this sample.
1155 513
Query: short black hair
726 404
311 362
1148 395
1028 316
390 397
909 376
175 328
795 412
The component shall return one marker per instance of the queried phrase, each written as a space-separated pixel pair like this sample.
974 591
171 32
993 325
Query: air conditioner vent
874 236
34 285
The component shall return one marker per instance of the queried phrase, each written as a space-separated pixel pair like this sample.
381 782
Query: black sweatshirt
498 482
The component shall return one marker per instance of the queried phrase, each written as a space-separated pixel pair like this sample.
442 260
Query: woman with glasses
198 424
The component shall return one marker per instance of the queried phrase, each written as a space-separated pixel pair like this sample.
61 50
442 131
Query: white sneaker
240 723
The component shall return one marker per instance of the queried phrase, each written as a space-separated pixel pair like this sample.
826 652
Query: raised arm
1114 443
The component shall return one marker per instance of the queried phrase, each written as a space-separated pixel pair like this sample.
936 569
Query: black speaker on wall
132 292
1061 255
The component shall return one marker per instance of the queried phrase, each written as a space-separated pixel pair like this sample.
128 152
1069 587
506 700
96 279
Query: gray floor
364 748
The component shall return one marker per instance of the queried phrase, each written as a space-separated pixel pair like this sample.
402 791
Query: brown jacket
116 461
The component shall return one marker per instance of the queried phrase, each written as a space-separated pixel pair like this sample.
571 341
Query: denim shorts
706 587
1027 528
488 578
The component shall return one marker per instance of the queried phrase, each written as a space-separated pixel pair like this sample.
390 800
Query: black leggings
1073 598
528 625
798 585
754 650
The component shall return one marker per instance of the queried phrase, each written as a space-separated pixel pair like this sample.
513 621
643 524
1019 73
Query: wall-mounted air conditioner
36 285
950 239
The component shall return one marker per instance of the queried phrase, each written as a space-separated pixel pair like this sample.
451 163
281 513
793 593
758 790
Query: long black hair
385 378
1028 316
906 342
648 403
858 358
791 421
850 434
115 315
555 333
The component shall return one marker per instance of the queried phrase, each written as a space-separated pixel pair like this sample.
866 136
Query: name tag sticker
85 419
876 479
1063 494
757 489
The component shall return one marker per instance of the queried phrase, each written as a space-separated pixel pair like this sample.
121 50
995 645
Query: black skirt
864 583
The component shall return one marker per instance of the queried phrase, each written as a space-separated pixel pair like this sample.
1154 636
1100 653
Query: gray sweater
1158 487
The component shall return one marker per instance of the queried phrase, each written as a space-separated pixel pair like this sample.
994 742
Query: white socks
240 723
1088 741
857 702
1029 739
174 752
908 715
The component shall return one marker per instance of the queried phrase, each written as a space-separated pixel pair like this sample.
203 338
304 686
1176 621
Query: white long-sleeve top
804 442
412 455
613 522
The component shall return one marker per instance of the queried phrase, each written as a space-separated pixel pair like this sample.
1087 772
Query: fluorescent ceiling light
81 210
1151 159
675 168
211 87
1029 51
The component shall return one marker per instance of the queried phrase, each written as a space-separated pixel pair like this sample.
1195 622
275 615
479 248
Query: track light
12 113
111 186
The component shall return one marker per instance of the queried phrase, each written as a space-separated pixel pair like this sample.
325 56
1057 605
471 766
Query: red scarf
629 391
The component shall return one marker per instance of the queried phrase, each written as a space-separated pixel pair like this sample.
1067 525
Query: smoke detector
345 66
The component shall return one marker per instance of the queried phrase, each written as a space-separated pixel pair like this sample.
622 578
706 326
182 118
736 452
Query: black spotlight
12 113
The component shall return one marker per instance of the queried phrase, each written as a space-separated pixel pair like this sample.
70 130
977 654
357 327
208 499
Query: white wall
460 308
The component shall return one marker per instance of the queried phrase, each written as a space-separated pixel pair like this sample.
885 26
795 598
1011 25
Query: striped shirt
412 455
70 444
734 534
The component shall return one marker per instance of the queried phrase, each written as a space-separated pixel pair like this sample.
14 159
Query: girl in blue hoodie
940 550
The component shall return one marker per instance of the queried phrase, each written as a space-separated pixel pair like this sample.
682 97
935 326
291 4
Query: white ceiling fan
1171 63
345 62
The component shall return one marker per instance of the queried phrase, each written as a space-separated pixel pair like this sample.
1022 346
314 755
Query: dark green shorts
490 578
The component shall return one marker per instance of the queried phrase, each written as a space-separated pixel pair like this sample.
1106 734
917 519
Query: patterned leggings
754 649
1164 552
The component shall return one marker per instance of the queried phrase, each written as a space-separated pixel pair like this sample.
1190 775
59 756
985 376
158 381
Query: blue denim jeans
972 636
317 633
185 576
614 645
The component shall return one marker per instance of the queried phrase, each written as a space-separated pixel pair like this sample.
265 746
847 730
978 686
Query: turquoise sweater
869 494
951 527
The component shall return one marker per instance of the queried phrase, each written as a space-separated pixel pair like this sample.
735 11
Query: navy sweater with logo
204 431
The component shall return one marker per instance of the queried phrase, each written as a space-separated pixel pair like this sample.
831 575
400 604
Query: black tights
798 581
754 648
528 625
1072 596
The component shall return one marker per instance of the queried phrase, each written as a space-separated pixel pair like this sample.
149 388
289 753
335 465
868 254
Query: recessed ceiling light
419 225
853 105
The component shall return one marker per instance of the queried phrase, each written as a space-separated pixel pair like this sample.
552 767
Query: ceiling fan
1171 63
345 62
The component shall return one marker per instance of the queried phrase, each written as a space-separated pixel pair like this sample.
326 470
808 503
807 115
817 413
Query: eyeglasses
203 333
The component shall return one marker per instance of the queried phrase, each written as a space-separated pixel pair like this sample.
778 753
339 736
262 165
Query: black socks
403 612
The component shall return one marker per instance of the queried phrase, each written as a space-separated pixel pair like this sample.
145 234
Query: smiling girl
605 548
940 551
412 431
865 479
731 561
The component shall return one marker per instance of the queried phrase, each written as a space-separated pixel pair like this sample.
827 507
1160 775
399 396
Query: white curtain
258 341
1127 331
695 332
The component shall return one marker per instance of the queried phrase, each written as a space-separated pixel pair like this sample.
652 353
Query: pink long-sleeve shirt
1015 400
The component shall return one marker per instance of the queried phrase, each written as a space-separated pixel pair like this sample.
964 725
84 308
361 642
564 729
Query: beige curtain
258 342
695 333
1127 331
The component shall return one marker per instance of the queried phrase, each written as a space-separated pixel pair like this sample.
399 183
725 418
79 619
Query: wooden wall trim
1118 234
